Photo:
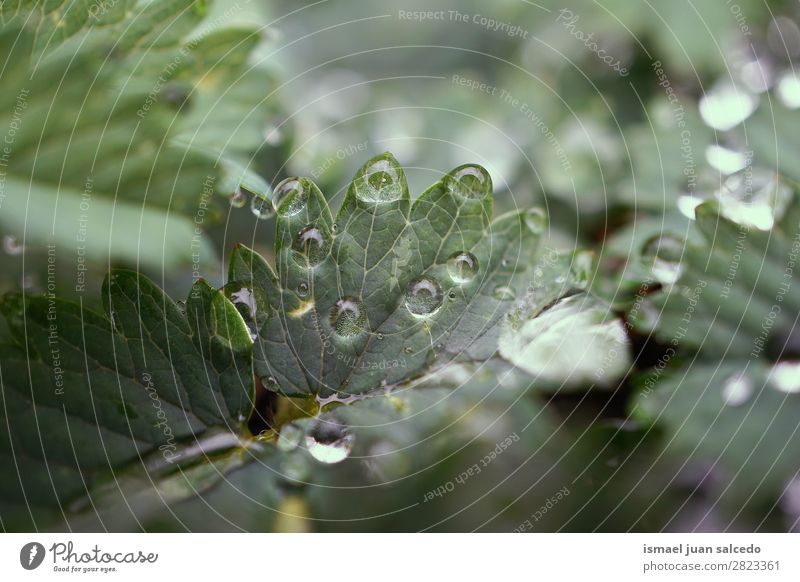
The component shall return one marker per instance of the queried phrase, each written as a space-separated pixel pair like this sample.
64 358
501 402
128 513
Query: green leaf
729 292
128 116
573 342
87 395
737 419
388 290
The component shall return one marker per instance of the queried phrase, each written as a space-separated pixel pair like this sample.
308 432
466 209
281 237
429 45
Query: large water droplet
290 196
469 181
786 377
726 106
581 268
662 253
261 208
789 90
462 267
289 437
737 389
424 297
313 244
11 246
754 198
238 199
348 317
329 442
725 160
380 180
302 289
504 293
536 220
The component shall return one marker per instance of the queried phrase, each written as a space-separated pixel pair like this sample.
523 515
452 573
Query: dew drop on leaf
408 350
313 244
290 197
261 208
289 437
11 246
785 377
469 181
424 297
662 253
238 199
737 389
302 289
462 267
379 181
348 317
754 198
536 220
329 442
726 106
504 293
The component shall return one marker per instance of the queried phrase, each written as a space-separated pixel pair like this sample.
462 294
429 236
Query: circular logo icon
31 555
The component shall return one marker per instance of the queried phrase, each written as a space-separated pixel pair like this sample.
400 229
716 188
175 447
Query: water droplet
786 377
273 135
505 263
114 320
726 106
290 196
181 305
261 208
380 180
348 317
504 293
11 246
737 389
424 297
289 437
238 199
302 289
725 160
462 267
536 220
754 197
380 336
469 181
271 382
329 442
687 205
662 253
452 295
334 227
581 268
789 90
408 350
313 244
